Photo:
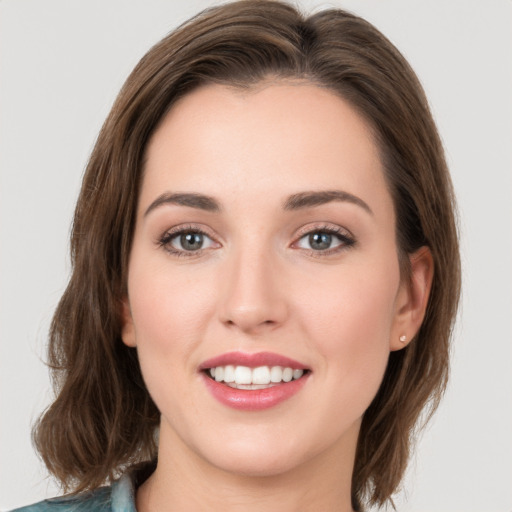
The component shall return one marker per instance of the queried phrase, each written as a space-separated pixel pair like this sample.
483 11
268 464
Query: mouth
252 382
261 377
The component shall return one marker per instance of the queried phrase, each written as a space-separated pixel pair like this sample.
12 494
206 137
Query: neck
184 481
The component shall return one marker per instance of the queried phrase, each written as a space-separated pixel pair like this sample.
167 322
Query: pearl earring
403 338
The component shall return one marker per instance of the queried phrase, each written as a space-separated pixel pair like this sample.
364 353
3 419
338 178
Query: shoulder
119 497
99 500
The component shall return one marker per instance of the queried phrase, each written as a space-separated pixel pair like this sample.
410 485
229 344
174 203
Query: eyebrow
294 202
200 201
318 198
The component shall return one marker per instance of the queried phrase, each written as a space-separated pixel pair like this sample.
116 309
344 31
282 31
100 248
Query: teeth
297 374
276 374
219 374
229 373
243 374
261 376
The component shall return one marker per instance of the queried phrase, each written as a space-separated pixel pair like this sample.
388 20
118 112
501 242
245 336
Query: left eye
189 241
322 241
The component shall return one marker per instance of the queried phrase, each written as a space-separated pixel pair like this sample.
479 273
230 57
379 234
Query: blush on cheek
353 327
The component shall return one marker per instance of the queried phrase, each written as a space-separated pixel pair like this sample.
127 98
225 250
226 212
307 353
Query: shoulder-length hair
103 419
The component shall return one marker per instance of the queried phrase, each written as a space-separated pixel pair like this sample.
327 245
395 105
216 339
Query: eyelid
190 226
171 233
323 226
344 235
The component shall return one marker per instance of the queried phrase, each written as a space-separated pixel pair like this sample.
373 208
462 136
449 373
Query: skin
258 285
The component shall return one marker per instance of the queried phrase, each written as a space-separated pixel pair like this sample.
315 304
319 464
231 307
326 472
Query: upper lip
252 360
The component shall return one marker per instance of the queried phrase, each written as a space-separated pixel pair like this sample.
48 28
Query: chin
258 466
259 456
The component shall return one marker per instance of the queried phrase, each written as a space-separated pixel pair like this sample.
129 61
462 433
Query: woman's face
265 238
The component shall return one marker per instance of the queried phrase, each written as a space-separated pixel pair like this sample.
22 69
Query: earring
403 338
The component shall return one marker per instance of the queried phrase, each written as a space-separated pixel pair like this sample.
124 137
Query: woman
265 271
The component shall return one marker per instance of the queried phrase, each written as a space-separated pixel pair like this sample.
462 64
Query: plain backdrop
62 63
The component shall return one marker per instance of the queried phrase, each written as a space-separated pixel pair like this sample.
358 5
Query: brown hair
103 418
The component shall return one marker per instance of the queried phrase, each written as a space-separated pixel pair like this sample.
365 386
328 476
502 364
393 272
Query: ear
128 328
412 299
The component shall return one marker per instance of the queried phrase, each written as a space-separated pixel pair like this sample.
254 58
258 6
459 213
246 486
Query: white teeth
229 373
276 374
260 376
219 373
243 375
287 374
297 374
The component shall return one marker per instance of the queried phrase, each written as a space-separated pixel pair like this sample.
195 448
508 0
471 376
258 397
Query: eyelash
169 236
344 237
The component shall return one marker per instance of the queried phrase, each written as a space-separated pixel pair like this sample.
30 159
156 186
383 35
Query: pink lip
253 399
252 360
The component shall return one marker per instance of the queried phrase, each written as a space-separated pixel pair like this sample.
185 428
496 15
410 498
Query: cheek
166 307
350 323
169 311
354 308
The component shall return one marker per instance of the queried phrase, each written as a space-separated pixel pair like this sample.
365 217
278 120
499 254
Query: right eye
186 242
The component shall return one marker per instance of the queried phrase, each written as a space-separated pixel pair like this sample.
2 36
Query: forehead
276 139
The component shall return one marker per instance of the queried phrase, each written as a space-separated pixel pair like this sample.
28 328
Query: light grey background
62 64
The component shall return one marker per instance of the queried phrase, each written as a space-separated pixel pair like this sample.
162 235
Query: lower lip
254 399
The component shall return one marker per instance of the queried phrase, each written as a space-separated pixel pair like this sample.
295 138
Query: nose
253 296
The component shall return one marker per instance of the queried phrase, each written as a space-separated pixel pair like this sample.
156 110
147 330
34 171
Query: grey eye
320 241
190 241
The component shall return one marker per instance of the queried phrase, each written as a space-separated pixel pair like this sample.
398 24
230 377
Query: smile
252 382
262 377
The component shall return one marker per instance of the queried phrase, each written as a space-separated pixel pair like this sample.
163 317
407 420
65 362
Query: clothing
118 497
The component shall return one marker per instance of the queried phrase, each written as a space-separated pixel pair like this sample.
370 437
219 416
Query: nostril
251 325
